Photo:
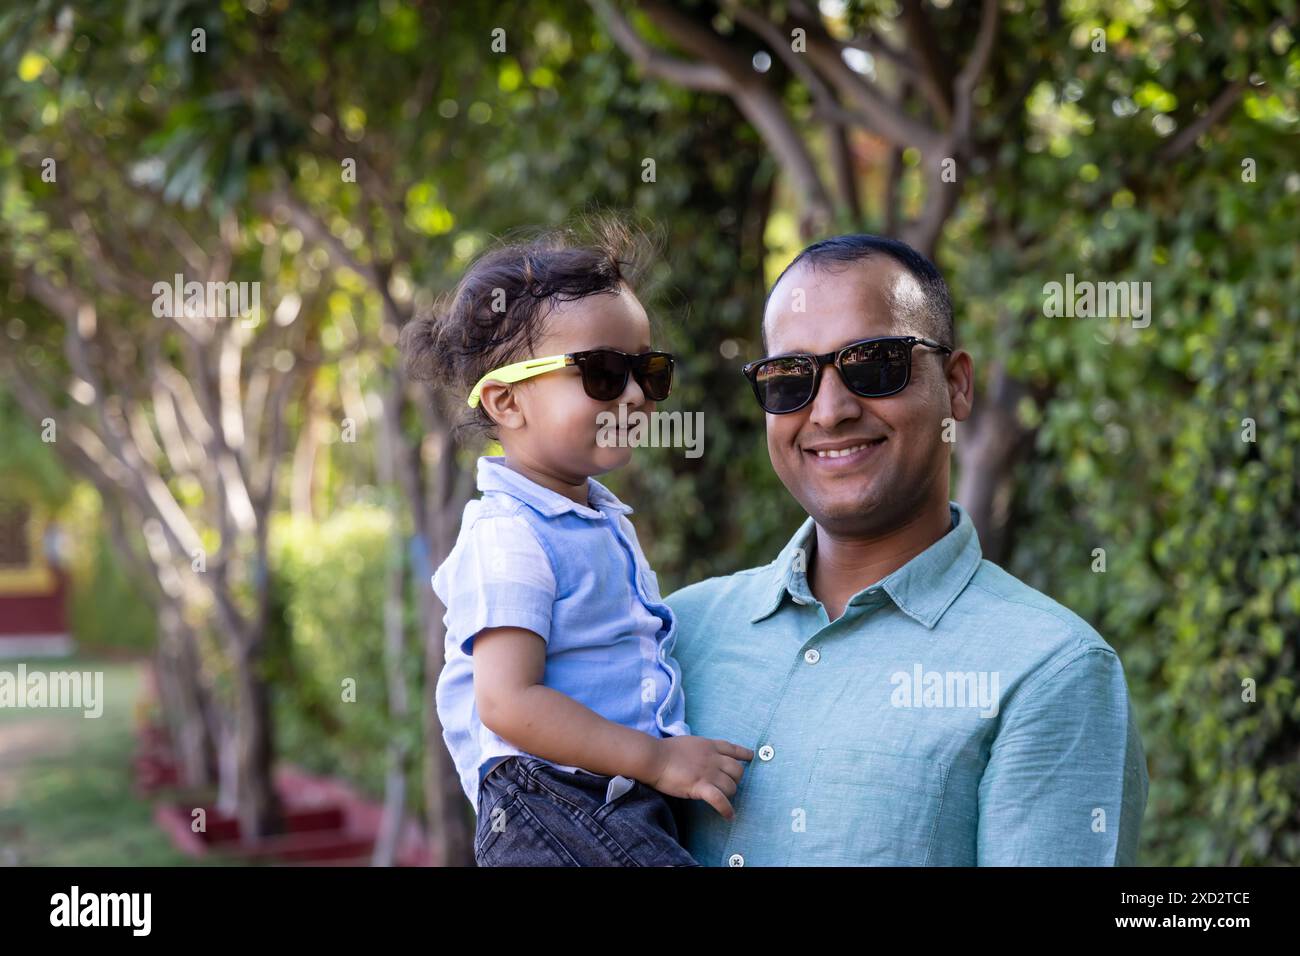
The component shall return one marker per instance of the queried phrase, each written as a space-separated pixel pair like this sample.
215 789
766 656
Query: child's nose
633 394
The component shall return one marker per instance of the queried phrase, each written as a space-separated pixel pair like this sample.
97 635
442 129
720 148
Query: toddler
560 702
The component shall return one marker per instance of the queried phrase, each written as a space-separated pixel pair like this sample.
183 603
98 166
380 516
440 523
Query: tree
940 89
352 208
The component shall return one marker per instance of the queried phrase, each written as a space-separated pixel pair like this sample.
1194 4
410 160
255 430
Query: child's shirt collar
494 475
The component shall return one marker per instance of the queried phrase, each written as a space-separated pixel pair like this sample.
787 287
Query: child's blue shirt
529 557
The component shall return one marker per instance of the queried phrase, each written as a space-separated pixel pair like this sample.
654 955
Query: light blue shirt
530 557
952 716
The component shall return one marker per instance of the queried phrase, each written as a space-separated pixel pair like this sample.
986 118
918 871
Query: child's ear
502 404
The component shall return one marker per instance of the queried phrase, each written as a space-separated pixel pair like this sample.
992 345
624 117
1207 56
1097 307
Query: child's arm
509 663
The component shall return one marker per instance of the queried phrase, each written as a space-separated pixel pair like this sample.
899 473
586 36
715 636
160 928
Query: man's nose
833 403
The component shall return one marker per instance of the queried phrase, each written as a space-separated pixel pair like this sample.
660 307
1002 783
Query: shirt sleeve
1066 781
498 575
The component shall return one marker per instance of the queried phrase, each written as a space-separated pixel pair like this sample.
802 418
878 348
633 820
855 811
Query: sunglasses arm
518 372
932 344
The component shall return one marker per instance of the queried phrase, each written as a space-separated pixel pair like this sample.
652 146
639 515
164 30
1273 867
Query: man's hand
700 768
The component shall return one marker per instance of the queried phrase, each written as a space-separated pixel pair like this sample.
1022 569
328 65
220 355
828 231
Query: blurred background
234 519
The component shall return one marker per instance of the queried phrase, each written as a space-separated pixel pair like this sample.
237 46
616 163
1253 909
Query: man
908 702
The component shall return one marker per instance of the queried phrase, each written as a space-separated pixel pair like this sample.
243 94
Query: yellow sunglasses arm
509 374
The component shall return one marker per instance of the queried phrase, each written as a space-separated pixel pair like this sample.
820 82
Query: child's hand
700 768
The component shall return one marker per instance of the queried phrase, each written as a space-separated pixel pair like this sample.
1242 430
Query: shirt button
812 655
797 599
766 752
735 860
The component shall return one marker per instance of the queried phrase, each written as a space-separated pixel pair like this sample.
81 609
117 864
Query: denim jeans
531 813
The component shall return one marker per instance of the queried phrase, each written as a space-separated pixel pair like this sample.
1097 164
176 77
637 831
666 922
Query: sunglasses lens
876 368
656 377
604 375
784 384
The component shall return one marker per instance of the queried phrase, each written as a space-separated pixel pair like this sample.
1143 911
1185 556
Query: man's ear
960 378
501 403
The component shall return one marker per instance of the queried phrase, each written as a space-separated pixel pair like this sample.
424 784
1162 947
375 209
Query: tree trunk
436 496
259 808
227 764
184 706
993 445
445 803
399 755
302 493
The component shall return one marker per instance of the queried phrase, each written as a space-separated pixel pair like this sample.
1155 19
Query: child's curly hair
498 310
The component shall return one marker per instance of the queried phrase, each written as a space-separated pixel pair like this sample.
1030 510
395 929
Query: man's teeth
841 452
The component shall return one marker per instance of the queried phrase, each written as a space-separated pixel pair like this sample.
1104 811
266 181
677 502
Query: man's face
904 464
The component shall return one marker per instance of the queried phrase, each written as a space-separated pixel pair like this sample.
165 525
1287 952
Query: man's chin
848 516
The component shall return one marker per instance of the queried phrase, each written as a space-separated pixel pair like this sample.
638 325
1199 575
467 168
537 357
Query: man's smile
843 454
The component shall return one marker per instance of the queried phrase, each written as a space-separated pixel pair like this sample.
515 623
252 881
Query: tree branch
1218 109
933 77
874 111
825 105
969 77
686 73
747 89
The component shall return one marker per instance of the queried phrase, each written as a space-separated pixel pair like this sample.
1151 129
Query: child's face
559 419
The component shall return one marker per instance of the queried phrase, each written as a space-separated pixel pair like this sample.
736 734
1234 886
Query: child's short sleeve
498 575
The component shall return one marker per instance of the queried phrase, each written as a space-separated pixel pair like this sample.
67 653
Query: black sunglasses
605 373
872 368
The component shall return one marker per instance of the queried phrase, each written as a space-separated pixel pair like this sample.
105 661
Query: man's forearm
545 722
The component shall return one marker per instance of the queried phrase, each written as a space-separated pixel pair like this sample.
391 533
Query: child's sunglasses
604 373
872 368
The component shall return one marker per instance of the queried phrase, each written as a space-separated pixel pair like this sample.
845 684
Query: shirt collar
923 588
493 475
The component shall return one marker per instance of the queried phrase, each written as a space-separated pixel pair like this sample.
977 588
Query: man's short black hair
859 245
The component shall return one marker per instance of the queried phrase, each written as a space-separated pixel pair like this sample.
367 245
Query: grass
65 780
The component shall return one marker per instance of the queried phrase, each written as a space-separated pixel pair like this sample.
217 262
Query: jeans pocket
495 794
618 791
491 825
483 822
618 787
525 831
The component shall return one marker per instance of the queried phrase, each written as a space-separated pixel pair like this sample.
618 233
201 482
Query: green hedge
328 587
